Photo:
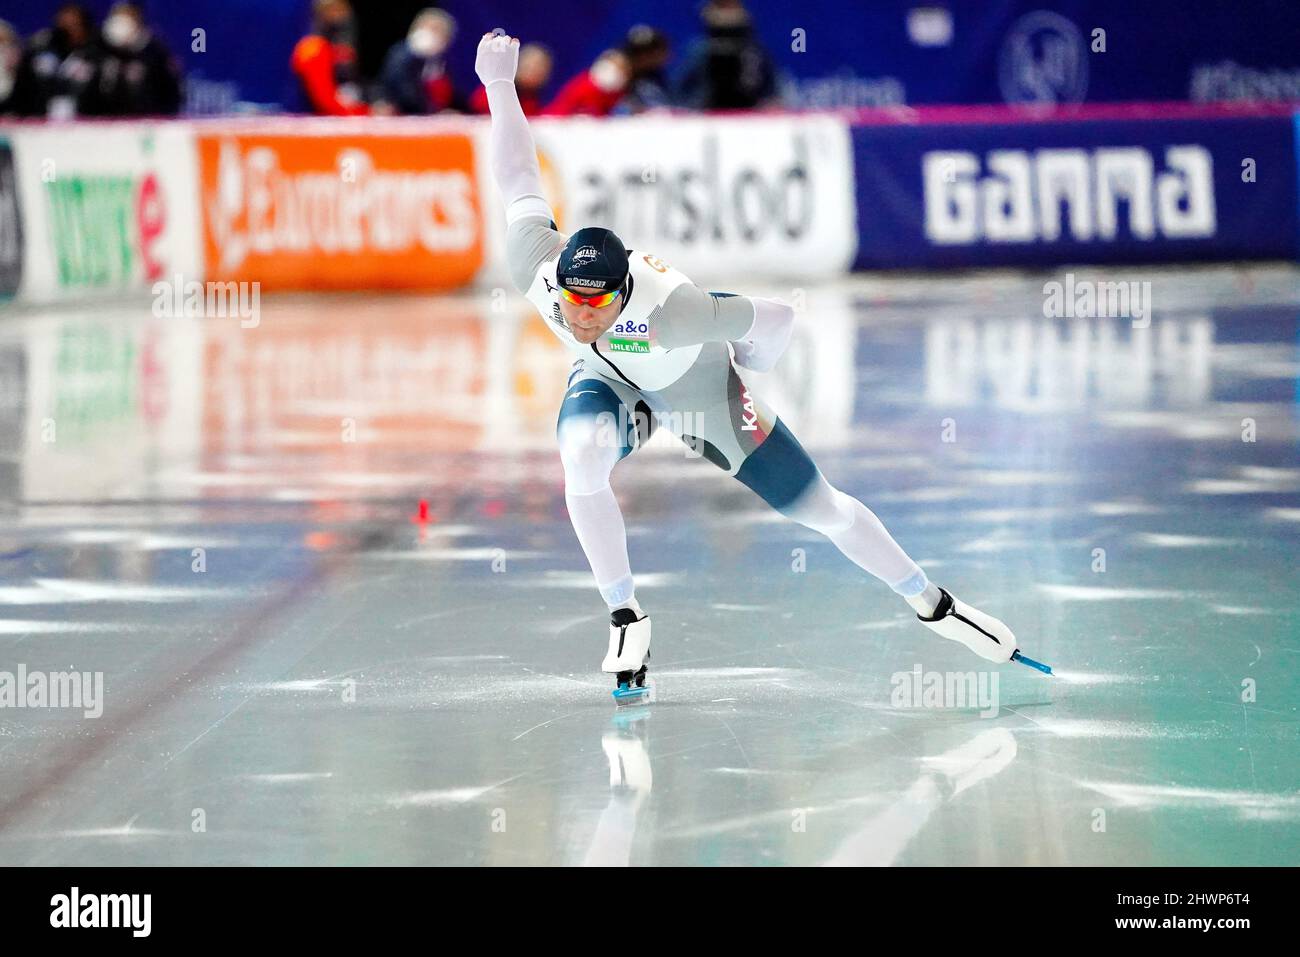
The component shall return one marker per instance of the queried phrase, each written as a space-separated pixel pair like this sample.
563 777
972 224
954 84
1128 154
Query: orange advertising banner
361 211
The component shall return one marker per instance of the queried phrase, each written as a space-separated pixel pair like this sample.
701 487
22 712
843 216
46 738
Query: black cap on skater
594 260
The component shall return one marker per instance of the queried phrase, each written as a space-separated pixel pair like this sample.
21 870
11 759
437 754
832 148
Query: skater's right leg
600 423
596 430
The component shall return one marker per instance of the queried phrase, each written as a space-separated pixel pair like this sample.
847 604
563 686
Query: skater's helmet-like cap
593 261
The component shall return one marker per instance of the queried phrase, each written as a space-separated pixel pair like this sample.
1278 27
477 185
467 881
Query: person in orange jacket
595 92
325 62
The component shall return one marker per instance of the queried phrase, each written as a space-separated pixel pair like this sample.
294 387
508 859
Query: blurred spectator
325 62
415 78
59 67
647 53
595 92
11 55
530 80
137 76
727 68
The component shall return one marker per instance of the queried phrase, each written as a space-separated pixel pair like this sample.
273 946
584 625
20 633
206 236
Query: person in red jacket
534 73
596 92
325 62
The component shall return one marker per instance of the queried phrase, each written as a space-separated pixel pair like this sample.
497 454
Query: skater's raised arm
758 329
514 156
531 239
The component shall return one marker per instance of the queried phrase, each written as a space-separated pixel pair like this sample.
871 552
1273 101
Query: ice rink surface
297 668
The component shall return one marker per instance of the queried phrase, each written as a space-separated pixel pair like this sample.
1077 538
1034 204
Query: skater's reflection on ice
629 784
882 839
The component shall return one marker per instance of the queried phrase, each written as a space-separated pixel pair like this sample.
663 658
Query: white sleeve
514 156
690 316
530 242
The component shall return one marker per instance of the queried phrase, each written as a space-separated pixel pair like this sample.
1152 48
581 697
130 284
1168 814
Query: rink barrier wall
11 224
339 204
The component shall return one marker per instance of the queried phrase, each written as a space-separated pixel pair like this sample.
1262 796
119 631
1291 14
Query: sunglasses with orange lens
596 302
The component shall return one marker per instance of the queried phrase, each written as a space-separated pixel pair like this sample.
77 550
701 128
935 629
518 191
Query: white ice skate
981 633
629 649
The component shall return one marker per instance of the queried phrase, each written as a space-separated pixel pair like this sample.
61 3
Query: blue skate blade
629 694
1017 656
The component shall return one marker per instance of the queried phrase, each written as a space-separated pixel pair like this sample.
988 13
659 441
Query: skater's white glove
498 57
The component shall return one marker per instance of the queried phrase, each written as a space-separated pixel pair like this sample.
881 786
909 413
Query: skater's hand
767 338
743 350
498 56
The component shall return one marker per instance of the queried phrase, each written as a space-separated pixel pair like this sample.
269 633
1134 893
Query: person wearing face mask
595 92
59 68
138 75
415 78
535 64
727 68
325 62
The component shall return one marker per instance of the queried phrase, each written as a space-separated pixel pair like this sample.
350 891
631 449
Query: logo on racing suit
555 316
584 255
630 337
748 417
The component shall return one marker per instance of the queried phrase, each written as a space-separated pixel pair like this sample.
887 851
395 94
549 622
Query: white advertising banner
106 207
718 197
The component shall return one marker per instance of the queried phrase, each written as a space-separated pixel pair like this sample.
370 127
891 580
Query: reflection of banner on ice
716 196
107 403
340 212
415 378
1099 191
110 208
1044 365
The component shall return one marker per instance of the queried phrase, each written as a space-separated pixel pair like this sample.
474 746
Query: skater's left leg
736 431
784 475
